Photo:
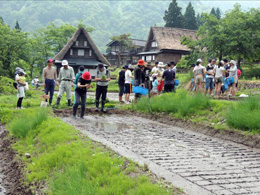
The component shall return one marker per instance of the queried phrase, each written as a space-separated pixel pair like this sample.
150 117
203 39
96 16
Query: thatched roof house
164 44
81 50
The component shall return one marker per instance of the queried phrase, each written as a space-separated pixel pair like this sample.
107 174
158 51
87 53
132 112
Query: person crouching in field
219 74
199 72
83 85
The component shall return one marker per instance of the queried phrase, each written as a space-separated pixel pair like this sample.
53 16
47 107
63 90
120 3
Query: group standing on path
222 76
156 80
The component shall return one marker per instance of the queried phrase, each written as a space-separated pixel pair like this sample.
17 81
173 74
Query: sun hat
49 60
130 67
232 62
199 60
154 75
160 64
86 76
64 63
141 62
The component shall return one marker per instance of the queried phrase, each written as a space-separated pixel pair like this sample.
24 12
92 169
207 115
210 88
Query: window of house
71 52
117 48
148 57
90 52
143 58
77 43
81 52
153 58
85 43
154 44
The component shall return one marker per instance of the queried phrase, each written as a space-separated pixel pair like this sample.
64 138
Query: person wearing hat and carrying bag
159 77
102 78
66 78
139 77
49 76
83 85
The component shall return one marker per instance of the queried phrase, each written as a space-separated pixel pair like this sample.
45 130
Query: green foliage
17 26
181 104
173 16
190 18
6 86
251 73
72 165
245 115
27 120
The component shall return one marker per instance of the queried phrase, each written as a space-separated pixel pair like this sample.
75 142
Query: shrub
245 114
27 120
6 86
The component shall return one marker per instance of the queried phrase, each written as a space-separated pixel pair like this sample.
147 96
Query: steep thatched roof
66 48
169 38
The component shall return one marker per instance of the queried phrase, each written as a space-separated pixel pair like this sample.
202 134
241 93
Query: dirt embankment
10 168
231 135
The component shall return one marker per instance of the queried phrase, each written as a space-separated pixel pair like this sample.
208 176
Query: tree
218 13
243 32
173 16
213 11
190 18
13 46
17 26
124 41
198 20
1 20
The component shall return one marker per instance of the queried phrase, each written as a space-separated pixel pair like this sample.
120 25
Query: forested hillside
106 17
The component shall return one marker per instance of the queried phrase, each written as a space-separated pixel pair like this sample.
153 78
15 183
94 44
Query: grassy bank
64 162
242 115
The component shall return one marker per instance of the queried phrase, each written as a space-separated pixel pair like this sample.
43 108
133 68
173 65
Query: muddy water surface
212 165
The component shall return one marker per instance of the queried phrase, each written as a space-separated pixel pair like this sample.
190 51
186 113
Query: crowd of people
65 81
216 79
160 78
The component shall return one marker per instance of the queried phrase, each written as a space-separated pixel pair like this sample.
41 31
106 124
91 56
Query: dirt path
11 176
195 162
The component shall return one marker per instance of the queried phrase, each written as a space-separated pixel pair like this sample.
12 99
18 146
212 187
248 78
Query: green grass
245 115
181 104
72 164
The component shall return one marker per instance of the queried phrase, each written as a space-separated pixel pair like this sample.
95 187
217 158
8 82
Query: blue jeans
83 98
209 83
50 85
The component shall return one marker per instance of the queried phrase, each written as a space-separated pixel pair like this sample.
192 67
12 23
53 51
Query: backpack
77 80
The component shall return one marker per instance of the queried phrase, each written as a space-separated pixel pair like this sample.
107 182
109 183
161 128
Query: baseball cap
64 63
49 60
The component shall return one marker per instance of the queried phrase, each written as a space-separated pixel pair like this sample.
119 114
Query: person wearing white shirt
233 73
219 74
128 81
199 71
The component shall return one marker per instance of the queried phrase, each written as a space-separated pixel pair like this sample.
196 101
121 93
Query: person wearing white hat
65 79
199 71
233 73
159 77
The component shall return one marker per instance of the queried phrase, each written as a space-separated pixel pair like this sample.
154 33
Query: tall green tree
190 18
243 32
213 12
173 16
198 20
218 13
1 20
17 26
13 47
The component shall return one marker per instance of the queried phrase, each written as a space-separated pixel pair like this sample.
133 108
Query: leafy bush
179 103
27 120
252 72
245 114
6 86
